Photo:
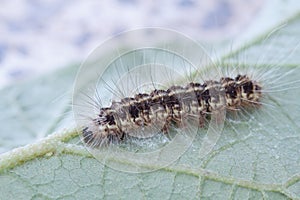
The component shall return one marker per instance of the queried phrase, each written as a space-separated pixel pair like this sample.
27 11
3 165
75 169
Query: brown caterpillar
162 108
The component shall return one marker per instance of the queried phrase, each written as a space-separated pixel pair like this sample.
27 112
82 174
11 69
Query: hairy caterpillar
174 105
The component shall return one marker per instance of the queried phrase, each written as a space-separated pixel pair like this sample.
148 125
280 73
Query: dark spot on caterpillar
231 90
87 135
248 87
110 120
133 111
205 96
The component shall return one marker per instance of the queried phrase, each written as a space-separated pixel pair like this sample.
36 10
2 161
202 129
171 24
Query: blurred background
37 36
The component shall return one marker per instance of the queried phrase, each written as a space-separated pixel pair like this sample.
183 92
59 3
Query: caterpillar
172 106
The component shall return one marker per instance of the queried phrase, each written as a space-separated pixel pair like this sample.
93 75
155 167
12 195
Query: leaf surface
256 159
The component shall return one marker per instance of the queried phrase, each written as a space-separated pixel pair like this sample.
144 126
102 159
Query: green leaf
34 109
255 159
